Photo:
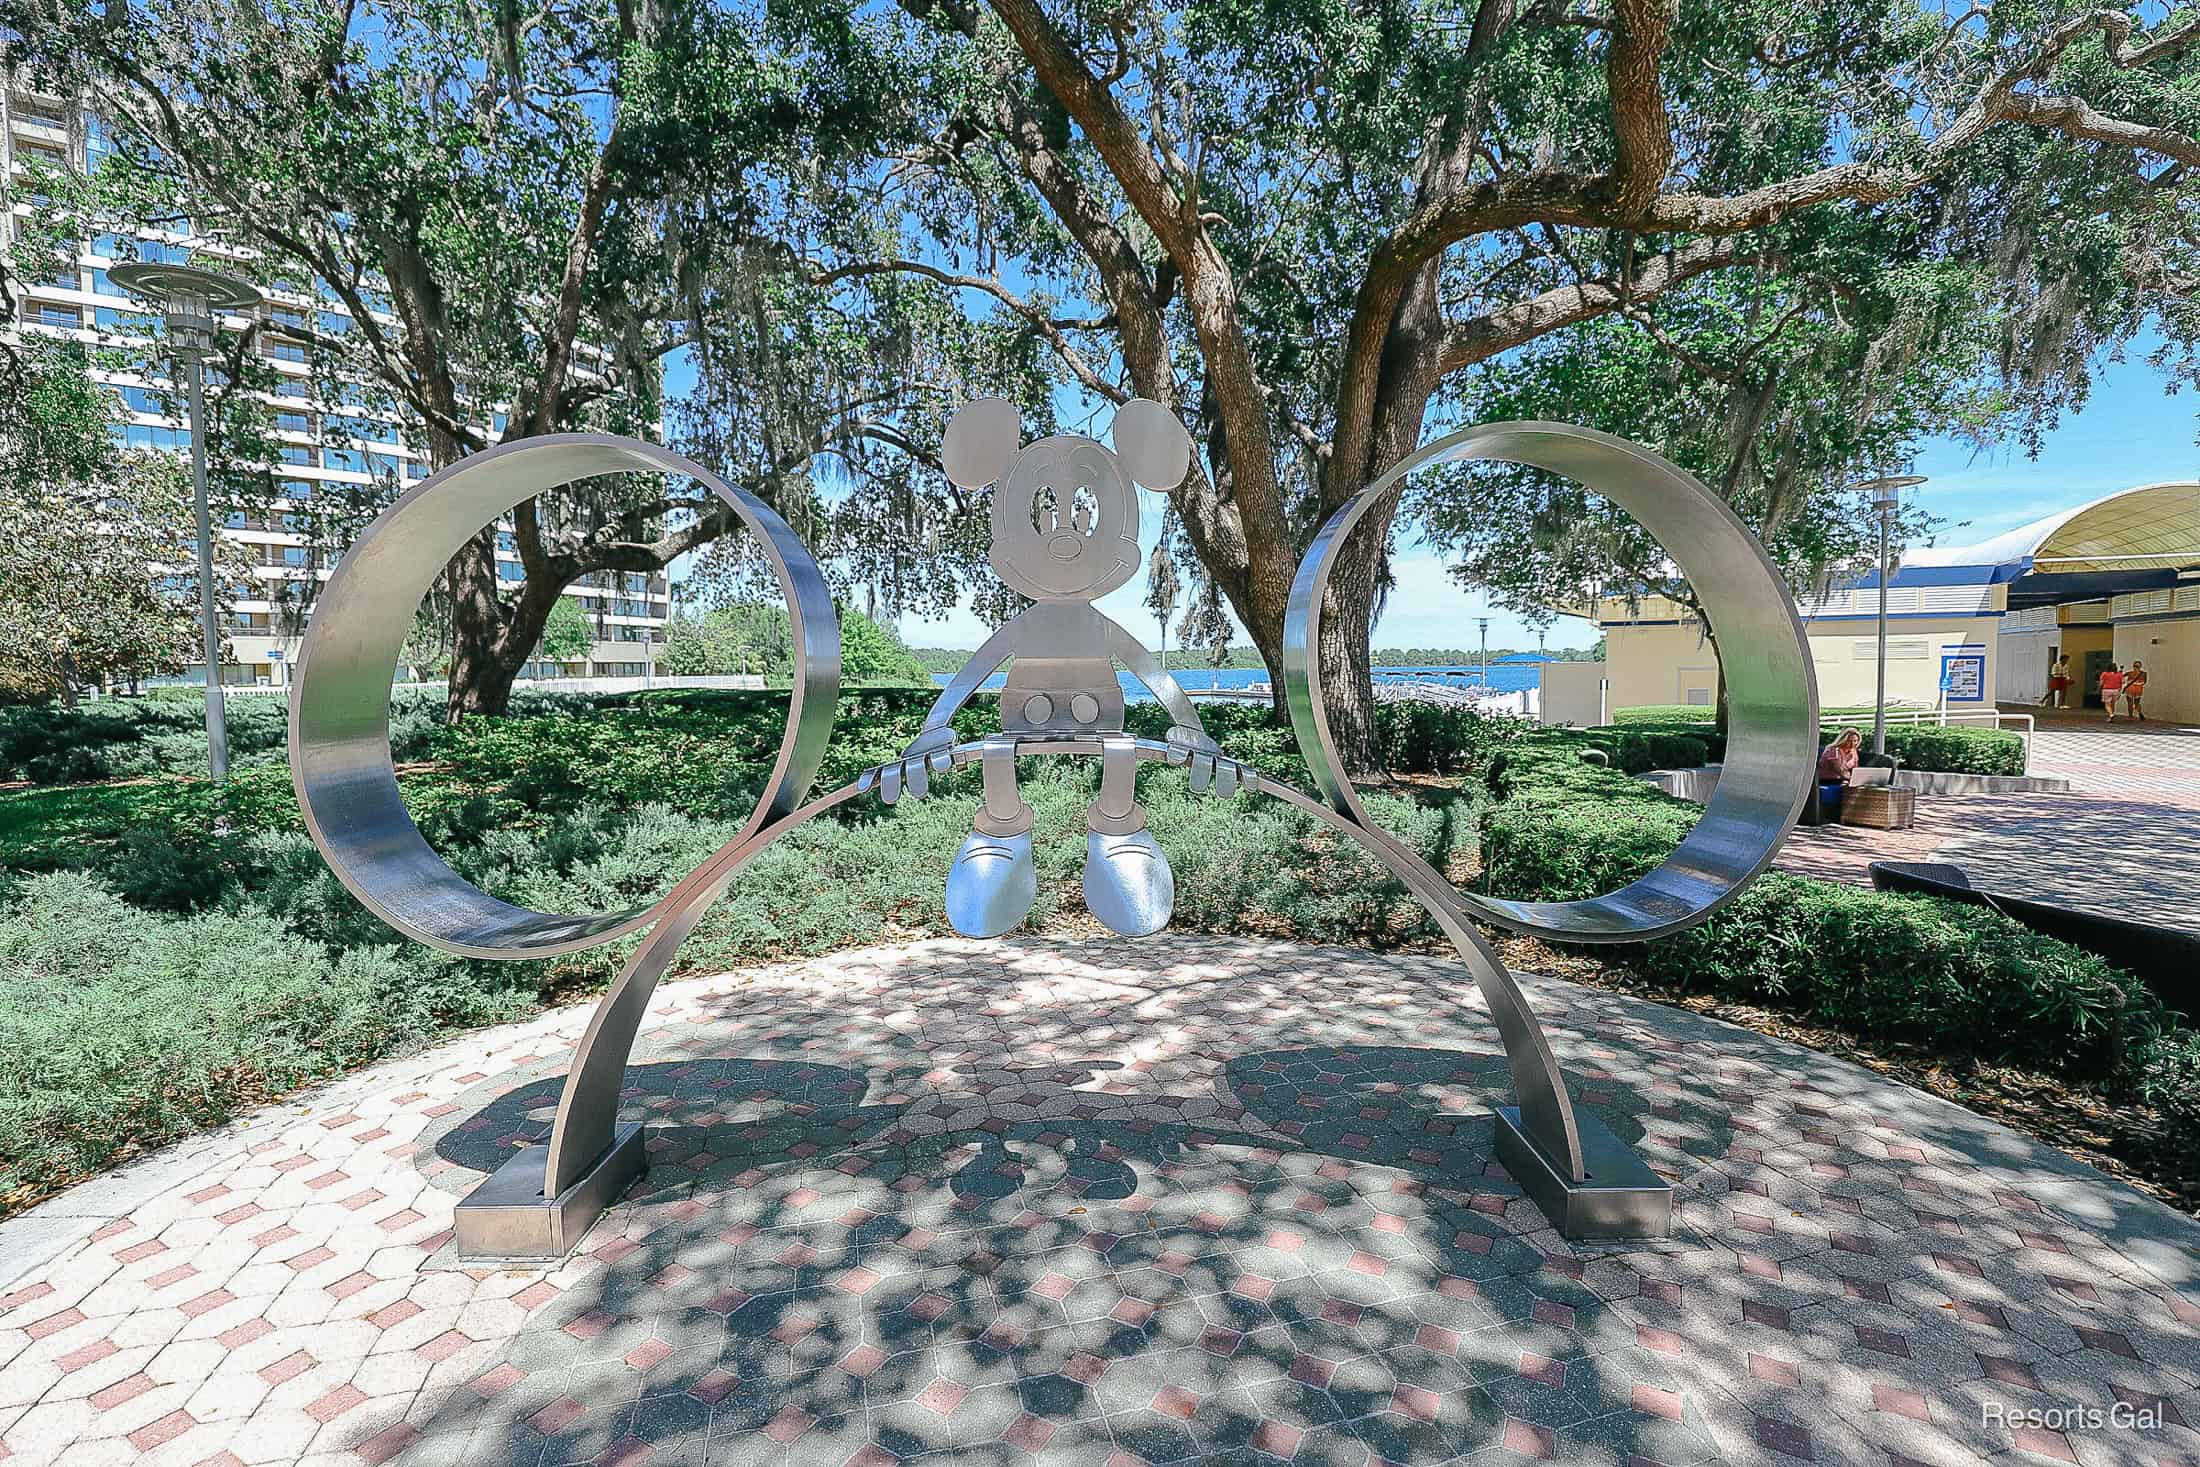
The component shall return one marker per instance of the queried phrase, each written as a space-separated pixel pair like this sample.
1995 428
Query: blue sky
2131 432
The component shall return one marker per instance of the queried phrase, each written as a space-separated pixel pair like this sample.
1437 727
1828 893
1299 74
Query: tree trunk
1408 379
489 650
481 670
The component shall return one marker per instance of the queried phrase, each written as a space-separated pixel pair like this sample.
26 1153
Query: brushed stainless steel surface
1619 1197
992 884
339 712
1772 738
340 759
509 1216
1129 888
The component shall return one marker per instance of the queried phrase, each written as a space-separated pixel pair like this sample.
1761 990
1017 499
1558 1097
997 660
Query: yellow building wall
2171 651
1666 663
1845 654
1659 663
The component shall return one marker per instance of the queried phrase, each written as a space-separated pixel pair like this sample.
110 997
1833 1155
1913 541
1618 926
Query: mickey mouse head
1065 519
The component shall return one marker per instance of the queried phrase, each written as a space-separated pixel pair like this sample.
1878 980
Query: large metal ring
340 704
1772 694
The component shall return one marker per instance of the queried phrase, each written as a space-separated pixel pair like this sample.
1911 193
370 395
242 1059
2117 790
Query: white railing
2025 724
1912 717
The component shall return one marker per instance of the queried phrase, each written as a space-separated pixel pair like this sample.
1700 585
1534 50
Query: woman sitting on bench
1836 769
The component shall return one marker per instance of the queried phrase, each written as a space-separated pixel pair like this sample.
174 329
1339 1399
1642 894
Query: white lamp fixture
191 297
1886 496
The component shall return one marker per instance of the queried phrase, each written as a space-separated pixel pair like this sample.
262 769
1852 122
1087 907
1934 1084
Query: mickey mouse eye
1046 514
1085 512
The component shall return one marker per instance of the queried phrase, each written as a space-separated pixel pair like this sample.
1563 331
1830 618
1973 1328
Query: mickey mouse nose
1065 545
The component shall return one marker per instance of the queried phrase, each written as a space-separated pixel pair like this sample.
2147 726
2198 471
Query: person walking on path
2112 688
2135 688
2058 682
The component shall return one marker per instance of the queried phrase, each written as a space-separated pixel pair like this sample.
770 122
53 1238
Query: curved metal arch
587 1115
1772 741
339 710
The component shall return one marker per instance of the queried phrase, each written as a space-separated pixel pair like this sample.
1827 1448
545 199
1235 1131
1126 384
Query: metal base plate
508 1217
1622 1198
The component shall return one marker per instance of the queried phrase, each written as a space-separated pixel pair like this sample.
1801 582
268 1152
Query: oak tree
1309 225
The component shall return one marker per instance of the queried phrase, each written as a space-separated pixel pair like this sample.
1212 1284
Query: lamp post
1484 623
1886 499
191 297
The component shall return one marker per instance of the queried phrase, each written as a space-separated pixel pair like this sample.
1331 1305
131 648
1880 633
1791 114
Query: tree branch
1041 324
1482 337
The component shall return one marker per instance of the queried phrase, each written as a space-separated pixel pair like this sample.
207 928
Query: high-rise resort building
325 446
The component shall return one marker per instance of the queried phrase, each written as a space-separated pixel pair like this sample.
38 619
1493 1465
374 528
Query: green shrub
1904 967
2165 1069
1564 853
1957 750
1628 751
1913 967
1950 749
1713 742
1677 751
165 733
120 1028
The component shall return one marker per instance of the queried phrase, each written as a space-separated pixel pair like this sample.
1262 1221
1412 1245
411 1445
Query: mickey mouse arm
983 663
1187 729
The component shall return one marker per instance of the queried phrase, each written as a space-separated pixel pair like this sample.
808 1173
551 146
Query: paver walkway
2125 841
1108 1203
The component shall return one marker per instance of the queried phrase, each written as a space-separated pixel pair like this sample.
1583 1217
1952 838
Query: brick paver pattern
2125 841
1109 1204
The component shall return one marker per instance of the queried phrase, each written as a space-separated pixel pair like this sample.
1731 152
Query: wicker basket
1883 807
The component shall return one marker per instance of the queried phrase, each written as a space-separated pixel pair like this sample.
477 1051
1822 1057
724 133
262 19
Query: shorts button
1084 707
1038 708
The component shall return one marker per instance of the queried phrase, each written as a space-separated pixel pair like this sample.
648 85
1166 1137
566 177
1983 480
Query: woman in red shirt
2112 688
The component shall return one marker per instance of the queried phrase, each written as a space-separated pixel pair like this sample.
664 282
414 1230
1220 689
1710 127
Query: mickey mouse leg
1128 884
993 882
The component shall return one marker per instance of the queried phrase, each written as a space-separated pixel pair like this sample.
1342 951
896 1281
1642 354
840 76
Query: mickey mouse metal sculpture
1065 524
1065 533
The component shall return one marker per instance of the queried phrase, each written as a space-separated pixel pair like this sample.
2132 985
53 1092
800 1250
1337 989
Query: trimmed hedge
1951 749
671 745
1956 750
137 738
1913 968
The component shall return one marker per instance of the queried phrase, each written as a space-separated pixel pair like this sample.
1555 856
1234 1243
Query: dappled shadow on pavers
1194 1248
1119 1202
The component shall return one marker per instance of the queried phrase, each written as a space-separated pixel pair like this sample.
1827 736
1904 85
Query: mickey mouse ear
981 439
1154 448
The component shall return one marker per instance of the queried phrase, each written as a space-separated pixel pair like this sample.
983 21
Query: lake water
1506 677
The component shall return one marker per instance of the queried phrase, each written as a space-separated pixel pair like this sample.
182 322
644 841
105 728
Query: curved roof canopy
2154 527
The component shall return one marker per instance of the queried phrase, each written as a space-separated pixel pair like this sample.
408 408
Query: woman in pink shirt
1836 767
1837 761
2112 688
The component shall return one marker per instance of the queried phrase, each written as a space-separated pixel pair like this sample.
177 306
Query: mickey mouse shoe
1128 884
992 884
